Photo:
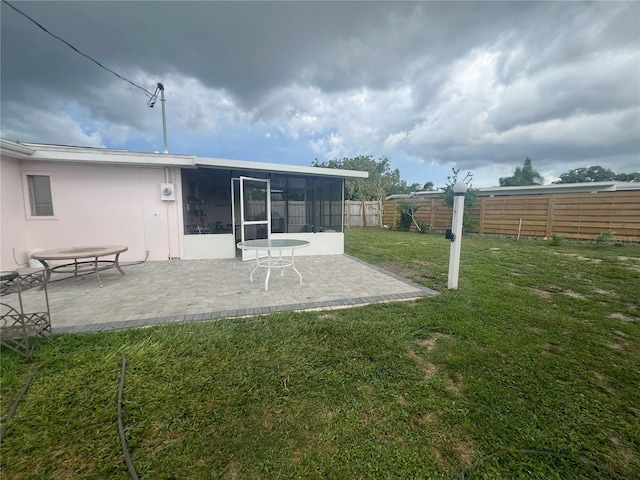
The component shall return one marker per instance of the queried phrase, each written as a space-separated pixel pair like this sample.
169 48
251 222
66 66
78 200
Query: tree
470 197
408 209
381 179
628 177
428 186
523 176
404 188
596 173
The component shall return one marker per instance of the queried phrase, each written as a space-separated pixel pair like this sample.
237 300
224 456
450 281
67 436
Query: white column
459 189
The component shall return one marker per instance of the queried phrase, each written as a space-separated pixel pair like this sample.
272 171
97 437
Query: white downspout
168 214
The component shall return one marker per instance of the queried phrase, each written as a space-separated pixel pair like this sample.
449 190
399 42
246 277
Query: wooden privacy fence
576 216
362 214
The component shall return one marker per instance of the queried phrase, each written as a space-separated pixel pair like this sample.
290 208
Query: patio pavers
196 290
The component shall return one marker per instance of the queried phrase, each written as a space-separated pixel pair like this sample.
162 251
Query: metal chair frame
18 326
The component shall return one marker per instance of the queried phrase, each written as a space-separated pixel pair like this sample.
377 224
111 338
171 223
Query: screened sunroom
223 206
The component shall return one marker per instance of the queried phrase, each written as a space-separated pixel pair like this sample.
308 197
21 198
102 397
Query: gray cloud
468 83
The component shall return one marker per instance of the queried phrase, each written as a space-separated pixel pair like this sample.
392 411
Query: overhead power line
147 92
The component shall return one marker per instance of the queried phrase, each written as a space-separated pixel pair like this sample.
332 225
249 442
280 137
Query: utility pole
151 103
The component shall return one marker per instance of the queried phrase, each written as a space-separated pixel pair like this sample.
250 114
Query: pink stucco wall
12 228
93 205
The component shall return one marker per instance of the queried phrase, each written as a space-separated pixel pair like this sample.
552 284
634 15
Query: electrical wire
147 92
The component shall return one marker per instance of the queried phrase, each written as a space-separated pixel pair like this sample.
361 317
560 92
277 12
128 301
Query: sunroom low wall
580 216
223 245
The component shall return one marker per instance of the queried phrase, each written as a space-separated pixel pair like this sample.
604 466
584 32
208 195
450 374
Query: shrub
423 228
408 209
556 240
470 198
404 222
605 238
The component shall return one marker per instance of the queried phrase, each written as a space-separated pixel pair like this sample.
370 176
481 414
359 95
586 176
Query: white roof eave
71 154
279 167
555 188
583 187
66 154
14 149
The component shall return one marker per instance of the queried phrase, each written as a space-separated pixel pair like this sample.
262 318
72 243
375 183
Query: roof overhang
278 167
101 156
583 187
88 155
14 149
555 188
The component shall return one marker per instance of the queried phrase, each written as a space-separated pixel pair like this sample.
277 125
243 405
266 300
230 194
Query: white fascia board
14 149
65 154
628 186
584 187
555 188
279 167
426 194
70 154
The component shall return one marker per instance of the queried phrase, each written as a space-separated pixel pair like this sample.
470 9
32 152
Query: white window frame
27 197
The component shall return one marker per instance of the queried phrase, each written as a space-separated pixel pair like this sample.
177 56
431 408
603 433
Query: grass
529 370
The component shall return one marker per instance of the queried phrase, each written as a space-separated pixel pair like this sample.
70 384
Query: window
327 208
314 204
296 206
40 199
299 204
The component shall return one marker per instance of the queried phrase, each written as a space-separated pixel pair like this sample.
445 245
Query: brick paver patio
194 290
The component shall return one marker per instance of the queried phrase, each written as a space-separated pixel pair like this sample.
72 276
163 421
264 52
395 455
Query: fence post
347 217
432 218
549 227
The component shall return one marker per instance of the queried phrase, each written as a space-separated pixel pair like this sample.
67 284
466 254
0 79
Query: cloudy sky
478 86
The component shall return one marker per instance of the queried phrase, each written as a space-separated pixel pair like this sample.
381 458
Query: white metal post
459 189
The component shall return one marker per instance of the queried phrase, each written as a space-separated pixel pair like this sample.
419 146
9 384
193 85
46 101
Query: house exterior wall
93 205
13 232
101 196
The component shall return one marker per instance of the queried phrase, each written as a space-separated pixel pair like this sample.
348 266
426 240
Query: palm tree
523 176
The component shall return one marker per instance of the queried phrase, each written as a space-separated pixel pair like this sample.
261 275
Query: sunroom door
255 212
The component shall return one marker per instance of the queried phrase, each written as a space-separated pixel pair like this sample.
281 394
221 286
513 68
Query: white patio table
273 247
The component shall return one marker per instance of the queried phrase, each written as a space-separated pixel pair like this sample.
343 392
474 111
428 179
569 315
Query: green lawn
531 369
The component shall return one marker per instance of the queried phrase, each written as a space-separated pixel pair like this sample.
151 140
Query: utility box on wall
167 191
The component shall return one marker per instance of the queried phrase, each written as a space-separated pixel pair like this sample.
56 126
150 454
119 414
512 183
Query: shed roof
556 188
89 155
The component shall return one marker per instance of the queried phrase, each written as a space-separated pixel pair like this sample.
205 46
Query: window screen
40 195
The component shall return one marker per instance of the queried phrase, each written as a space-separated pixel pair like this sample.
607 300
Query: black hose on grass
542 453
123 440
14 407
